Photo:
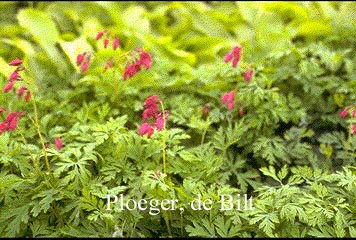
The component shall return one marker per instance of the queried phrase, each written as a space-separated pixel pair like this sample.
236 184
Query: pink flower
228 57
107 65
234 55
151 107
145 128
12 124
14 76
151 100
344 112
15 62
106 42
131 70
145 59
150 112
80 58
99 35
58 143
10 116
3 127
20 91
85 66
354 129
229 99
248 75
28 96
11 120
225 98
115 43
230 105
154 118
235 61
354 113
160 123
8 87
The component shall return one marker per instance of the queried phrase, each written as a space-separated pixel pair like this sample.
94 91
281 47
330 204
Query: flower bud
15 62
58 143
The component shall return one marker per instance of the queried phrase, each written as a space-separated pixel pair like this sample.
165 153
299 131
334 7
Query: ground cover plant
177 119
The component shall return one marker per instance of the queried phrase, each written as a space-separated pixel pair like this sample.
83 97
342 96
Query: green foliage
283 144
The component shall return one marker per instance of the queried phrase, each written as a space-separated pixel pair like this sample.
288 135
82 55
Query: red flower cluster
140 57
151 117
344 113
144 59
10 122
229 99
234 55
106 41
14 77
21 91
248 75
83 61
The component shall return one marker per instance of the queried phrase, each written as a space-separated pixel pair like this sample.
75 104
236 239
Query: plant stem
350 132
181 223
164 152
116 91
164 139
35 163
167 223
204 132
37 125
164 136
133 229
39 133
203 136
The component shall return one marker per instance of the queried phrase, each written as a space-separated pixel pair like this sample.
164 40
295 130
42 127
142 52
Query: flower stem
35 163
164 152
181 223
116 92
204 132
203 136
36 121
167 223
164 136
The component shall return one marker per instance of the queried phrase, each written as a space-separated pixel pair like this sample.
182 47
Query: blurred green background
186 32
